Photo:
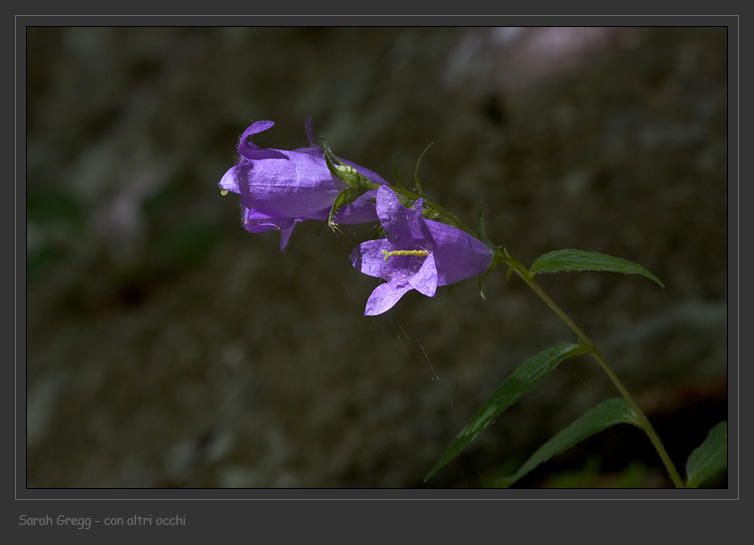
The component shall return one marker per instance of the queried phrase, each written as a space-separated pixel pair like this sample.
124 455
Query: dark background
167 347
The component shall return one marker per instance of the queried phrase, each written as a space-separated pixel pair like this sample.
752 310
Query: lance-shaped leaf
709 457
603 416
523 379
583 260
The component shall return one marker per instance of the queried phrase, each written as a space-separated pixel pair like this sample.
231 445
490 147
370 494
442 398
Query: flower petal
400 222
300 185
229 181
255 222
385 296
244 143
309 128
285 234
425 279
369 259
457 254
249 150
256 128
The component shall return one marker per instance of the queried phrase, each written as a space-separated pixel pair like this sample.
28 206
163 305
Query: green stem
644 422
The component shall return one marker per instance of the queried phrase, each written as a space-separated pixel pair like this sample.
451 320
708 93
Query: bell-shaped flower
418 254
280 188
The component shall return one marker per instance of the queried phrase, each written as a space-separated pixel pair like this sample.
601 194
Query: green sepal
446 217
708 458
497 260
344 198
481 228
406 201
345 173
483 278
523 379
451 287
330 157
417 183
605 415
583 260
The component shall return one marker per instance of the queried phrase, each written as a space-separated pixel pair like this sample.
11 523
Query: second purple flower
418 254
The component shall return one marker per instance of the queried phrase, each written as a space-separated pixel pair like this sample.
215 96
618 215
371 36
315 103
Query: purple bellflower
280 188
418 254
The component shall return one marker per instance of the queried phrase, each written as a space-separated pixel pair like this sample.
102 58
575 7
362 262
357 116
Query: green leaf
523 379
603 416
582 260
709 457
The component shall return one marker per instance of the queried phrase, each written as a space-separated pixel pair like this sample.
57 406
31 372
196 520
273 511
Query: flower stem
643 421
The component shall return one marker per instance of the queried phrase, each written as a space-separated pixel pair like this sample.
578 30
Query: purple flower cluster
280 188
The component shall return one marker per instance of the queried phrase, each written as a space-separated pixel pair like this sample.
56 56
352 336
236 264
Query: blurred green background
167 347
